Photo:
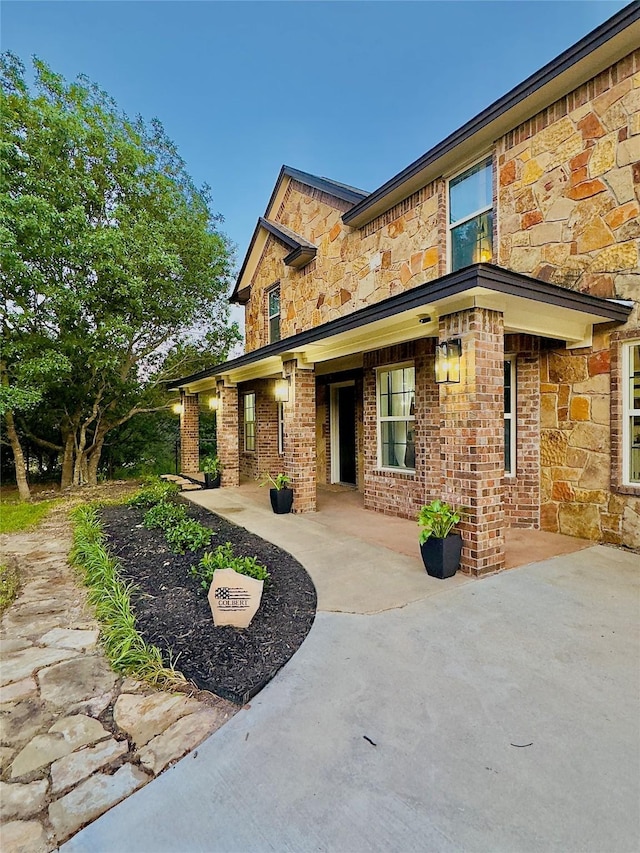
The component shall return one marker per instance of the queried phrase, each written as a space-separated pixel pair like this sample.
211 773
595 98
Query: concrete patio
498 715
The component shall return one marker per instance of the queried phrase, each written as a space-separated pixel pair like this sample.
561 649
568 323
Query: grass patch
15 517
127 652
9 585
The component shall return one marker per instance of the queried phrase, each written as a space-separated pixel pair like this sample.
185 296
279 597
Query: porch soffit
529 306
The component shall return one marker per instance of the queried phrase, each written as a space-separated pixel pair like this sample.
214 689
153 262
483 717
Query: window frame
280 406
246 422
488 159
628 412
512 416
380 419
273 289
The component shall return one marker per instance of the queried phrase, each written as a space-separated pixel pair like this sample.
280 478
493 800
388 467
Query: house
469 330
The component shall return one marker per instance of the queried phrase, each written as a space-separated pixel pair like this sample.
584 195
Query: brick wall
522 492
228 435
300 436
472 436
190 434
396 492
265 458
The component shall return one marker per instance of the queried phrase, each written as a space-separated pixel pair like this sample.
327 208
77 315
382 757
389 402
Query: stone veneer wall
190 434
576 451
353 268
569 187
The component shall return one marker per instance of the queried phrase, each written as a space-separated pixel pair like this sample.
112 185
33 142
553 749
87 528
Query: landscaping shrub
187 535
154 492
223 558
111 597
164 515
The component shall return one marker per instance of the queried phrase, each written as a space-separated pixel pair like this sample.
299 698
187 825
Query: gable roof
608 43
302 251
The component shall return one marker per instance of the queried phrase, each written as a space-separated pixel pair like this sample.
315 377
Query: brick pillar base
472 436
227 434
190 434
300 436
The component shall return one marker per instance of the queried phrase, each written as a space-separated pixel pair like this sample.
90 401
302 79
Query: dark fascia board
346 193
300 257
361 212
479 275
301 250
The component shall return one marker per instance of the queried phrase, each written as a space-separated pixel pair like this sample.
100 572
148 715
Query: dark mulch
173 613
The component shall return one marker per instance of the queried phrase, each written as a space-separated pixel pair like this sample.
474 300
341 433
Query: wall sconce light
448 362
214 403
177 408
281 390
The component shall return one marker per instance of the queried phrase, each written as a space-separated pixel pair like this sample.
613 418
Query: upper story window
510 416
273 313
250 422
631 414
396 417
470 225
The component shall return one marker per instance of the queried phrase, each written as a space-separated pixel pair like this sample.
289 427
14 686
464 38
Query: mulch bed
173 613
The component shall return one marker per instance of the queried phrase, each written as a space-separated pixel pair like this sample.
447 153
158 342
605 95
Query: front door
343 433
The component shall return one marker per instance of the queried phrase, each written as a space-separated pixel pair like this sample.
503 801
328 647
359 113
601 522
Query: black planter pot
281 500
441 557
212 481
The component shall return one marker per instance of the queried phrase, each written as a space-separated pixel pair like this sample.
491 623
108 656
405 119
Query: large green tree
114 272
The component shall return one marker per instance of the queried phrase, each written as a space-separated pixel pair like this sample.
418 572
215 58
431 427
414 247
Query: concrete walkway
498 715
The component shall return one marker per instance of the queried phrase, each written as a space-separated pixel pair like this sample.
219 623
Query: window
250 421
273 312
396 417
631 414
471 216
509 416
280 428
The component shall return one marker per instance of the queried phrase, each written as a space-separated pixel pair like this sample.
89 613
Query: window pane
274 329
472 242
634 363
507 447
397 392
507 387
470 191
634 460
398 449
274 302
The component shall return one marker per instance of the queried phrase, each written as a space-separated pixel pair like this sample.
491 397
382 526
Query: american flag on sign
223 592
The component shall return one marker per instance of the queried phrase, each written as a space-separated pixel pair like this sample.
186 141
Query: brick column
472 436
227 435
190 434
300 436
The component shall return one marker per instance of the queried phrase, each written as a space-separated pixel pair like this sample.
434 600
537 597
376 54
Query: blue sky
351 90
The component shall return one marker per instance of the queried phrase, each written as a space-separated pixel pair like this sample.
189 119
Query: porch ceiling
529 306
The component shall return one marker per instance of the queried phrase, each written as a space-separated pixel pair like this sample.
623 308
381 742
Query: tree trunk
66 479
18 458
94 461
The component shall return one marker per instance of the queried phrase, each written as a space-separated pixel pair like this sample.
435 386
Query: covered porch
449 439
361 561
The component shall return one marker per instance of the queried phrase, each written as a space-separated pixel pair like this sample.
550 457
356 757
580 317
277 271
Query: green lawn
15 517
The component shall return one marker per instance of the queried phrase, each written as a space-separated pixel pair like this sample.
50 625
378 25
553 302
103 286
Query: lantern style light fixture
214 402
448 362
281 390
177 408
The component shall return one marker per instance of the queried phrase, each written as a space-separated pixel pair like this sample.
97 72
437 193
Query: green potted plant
280 494
212 469
440 544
